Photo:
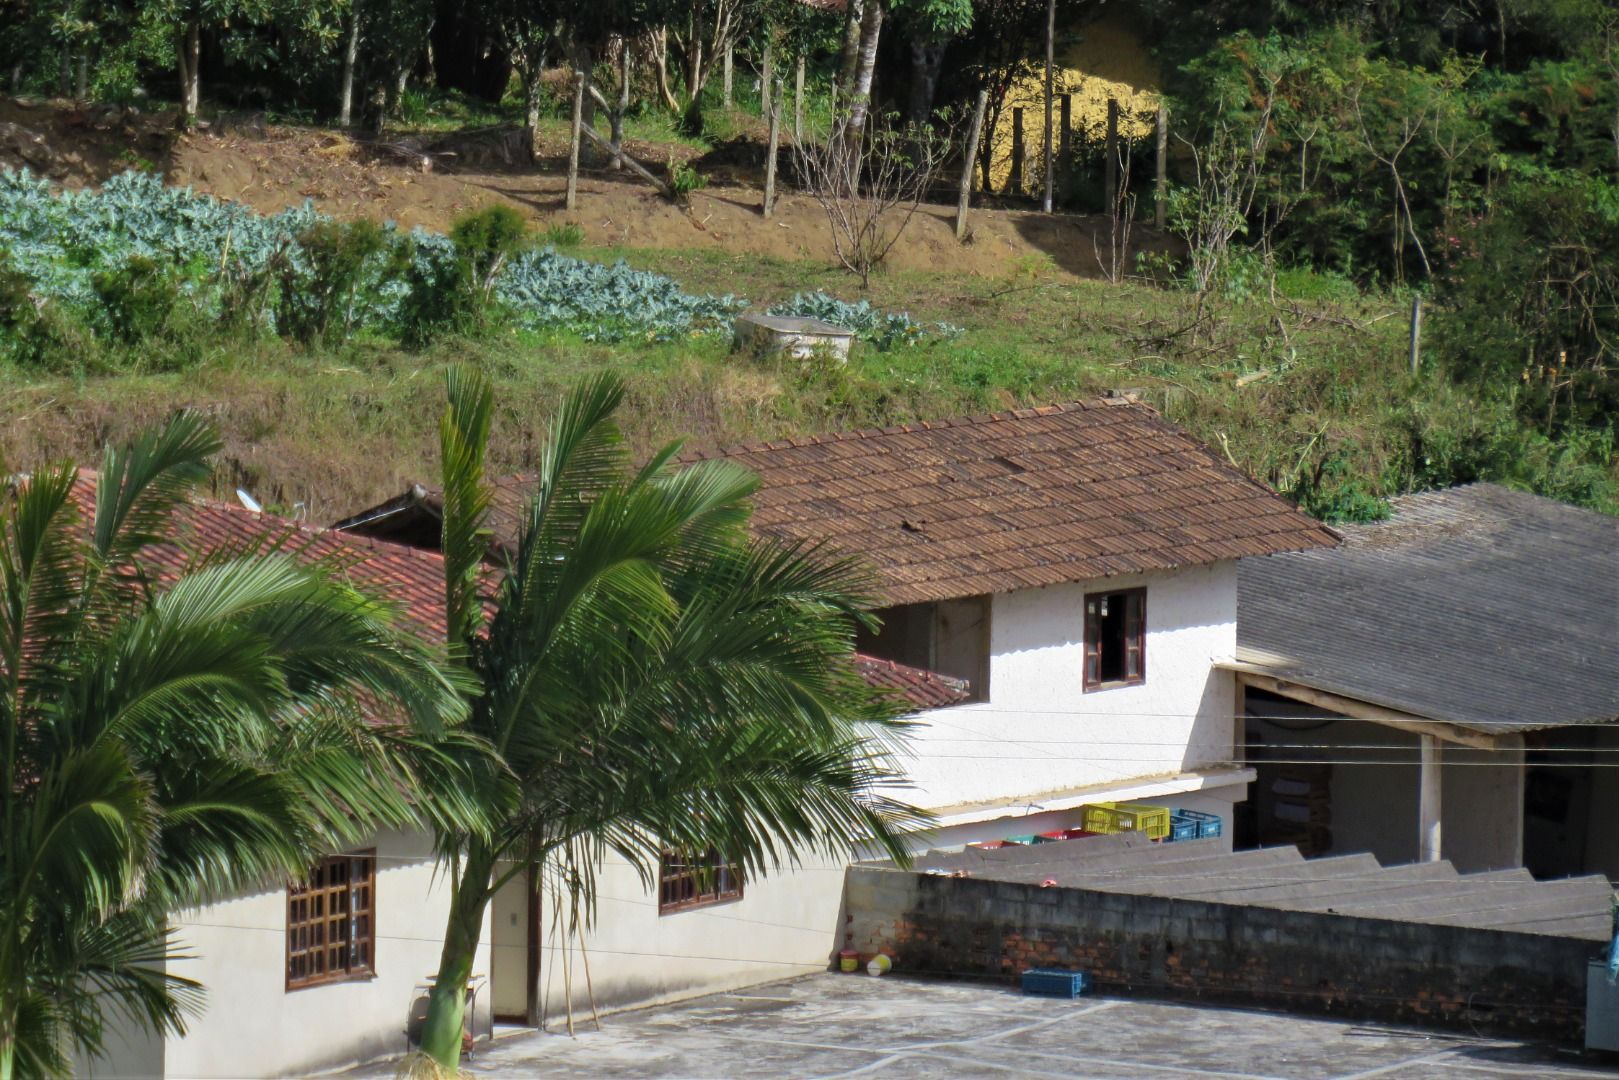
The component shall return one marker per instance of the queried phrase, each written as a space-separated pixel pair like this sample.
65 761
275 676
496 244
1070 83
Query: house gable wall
1039 732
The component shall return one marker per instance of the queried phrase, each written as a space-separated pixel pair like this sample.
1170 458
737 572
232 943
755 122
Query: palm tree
168 743
651 676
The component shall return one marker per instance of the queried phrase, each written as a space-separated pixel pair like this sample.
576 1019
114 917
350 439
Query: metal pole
969 162
1051 34
573 143
1416 332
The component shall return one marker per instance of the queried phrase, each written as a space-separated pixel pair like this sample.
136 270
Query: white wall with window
1062 715
285 998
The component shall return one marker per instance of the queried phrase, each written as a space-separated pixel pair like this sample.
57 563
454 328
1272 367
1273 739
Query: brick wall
1359 968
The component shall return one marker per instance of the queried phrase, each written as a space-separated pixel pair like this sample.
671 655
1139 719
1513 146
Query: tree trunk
927 61
849 54
623 104
16 78
188 48
82 87
441 1033
64 72
351 52
767 76
533 74
871 26
660 63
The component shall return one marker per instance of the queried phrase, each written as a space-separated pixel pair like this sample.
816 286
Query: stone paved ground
828 1025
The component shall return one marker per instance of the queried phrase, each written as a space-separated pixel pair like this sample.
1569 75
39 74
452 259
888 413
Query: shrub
138 300
322 278
452 287
36 332
683 180
564 234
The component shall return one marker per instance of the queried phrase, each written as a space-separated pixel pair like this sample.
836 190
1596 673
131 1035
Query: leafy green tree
162 746
652 677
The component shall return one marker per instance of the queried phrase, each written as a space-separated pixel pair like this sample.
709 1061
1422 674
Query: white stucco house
1060 596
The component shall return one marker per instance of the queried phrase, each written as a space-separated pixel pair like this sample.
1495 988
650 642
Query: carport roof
1486 608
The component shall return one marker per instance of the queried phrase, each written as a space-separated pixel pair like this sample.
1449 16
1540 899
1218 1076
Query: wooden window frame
1133 642
300 922
670 879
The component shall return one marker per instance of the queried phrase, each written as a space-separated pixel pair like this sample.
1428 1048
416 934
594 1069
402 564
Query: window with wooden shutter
686 882
331 922
1115 639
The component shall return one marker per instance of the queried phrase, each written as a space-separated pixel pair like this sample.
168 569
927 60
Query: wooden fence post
1014 183
725 77
623 105
1416 332
767 76
770 160
798 101
1160 189
572 198
1112 188
970 162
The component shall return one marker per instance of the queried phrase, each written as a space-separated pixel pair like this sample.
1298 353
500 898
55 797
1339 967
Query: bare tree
1121 218
870 184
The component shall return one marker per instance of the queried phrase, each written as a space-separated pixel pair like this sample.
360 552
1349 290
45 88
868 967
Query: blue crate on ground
1208 825
1054 982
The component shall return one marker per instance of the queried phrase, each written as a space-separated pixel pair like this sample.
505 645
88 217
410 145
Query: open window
1115 639
950 637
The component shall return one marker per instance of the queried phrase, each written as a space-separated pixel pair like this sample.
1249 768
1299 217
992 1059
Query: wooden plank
629 163
1359 710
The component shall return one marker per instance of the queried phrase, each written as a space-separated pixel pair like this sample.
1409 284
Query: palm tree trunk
446 1010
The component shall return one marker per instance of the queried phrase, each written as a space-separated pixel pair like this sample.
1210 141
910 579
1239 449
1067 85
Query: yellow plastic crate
1126 817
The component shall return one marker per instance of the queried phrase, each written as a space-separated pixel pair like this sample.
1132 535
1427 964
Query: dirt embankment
271 167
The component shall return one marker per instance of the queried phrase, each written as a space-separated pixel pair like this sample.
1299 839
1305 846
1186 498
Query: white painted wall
1040 732
786 924
255 1027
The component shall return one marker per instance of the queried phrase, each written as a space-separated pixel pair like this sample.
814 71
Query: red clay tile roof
984 504
1018 499
411 578
924 689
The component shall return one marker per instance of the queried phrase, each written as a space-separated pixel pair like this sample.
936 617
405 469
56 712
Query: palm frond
463 446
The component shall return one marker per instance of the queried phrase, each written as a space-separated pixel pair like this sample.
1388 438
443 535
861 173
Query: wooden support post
1416 332
1045 139
1014 183
969 161
767 76
1160 184
726 77
770 159
1430 811
798 101
1111 191
572 198
629 163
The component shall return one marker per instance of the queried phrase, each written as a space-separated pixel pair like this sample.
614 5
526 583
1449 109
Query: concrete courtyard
829 1025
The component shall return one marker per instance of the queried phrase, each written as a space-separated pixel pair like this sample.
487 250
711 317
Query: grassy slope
339 430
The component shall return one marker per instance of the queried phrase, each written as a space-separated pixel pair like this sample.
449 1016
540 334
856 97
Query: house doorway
514 960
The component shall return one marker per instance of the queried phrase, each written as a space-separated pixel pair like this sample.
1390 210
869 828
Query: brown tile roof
991 503
1018 499
924 689
409 577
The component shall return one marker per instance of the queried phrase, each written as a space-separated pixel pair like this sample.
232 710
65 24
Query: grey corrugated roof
1279 877
1484 607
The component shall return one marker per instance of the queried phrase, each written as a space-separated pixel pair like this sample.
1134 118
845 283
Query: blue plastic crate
1054 982
1182 827
1208 825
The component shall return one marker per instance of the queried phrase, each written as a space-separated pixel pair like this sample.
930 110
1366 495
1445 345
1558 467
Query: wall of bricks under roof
1356 968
